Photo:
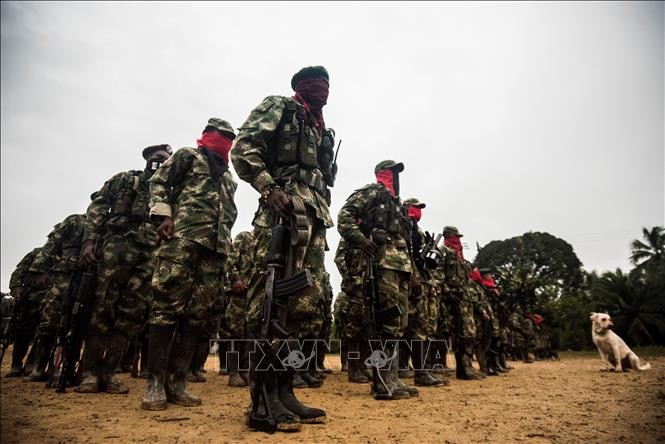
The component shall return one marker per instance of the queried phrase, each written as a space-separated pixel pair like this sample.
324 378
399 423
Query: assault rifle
430 255
281 283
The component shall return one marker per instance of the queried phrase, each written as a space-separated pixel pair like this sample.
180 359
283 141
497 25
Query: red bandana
475 275
415 213
489 282
385 178
216 143
313 95
455 243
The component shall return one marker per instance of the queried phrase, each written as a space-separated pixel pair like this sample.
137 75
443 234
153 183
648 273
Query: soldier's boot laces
307 415
158 355
92 361
116 350
179 363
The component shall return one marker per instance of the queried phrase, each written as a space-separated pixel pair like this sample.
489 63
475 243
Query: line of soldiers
153 258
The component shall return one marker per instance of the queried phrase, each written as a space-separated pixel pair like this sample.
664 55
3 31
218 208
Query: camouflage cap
413 202
154 148
309 72
389 165
449 229
222 126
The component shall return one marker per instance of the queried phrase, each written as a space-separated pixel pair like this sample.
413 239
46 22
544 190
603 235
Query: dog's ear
593 315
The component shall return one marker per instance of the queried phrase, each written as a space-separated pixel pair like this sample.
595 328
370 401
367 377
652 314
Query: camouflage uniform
391 231
27 303
59 259
483 320
276 147
352 266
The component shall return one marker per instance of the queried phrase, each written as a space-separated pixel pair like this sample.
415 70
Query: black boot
198 361
355 363
481 356
364 355
91 364
403 366
305 373
266 413
118 344
234 358
43 345
180 360
159 343
145 345
224 347
21 345
307 415
422 375
344 354
388 387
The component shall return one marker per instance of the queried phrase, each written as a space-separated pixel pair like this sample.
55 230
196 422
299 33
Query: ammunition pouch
313 178
297 143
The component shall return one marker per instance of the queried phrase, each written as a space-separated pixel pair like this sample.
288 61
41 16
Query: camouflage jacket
392 236
455 270
18 276
241 257
63 245
425 275
121 206
203 211
478 297
256 148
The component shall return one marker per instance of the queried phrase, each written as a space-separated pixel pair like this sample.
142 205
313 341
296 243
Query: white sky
509 117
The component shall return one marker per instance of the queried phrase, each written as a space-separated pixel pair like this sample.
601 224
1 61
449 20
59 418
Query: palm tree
647 255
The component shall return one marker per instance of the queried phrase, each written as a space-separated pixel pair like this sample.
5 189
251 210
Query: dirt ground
548 401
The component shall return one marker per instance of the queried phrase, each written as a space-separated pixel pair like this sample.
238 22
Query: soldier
373 222
423 305
351 266
499 337
56 263
456 276
191 197
28 292
340 312
484 318
279 151
117 219
240 266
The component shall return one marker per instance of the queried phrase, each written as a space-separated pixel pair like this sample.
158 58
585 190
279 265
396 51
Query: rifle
77 317
281 283
430 255
333 167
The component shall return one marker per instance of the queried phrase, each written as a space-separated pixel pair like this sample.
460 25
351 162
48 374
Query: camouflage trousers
462 312
188 283
51 308
393 288
304 313
355 327
233 325
123 286
418 317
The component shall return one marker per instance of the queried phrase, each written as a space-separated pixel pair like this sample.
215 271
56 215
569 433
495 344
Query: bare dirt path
563 401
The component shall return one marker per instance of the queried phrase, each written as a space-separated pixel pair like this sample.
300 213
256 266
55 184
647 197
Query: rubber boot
198 361
159 343
364 355
118 344
344 354
403 365
503 361
91 364
467 360
43 345
235 380
355 362
270 414
125 364
307 415
21 345
321 359
180 360
224 347
481 355
145 344
304 373
421 374
386 387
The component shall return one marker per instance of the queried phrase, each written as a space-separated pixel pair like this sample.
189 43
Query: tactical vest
297 145
455 270
386 216
130 201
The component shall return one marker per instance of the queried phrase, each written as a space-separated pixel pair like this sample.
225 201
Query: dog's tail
646 366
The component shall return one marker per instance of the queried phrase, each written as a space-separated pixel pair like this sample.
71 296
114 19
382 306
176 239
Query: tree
648 255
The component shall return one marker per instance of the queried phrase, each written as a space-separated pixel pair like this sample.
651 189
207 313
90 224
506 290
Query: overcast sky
509 117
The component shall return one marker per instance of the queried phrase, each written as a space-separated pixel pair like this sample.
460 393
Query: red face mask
313 95
415 213
475 275
386 178
455 243
217 143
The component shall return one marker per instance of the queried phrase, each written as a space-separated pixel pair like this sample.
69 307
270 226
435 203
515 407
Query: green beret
154 148
309 72
413 202
389 165
449 229
485 271
222 126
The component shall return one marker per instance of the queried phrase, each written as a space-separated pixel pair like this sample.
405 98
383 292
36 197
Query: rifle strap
299 224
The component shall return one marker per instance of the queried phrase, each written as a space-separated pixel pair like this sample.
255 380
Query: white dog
613 351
